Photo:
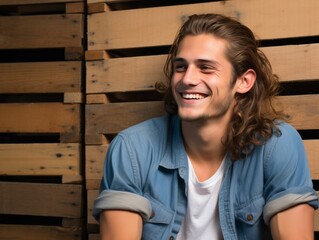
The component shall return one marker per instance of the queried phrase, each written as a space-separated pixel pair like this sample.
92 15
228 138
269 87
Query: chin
191 117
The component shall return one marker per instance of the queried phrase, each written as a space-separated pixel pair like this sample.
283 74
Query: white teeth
192 96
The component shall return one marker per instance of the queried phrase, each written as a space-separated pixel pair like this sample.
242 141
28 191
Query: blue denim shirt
146 171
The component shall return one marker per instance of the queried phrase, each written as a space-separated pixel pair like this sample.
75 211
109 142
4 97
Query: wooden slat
94 236
41 118
29 232
316 221
78 7
125 74
40 159
158 26
97 8
38 117
25 2
39 199
294 62
41 31
91 195
312 149
302 109
94 160
133 73
111 118
40 77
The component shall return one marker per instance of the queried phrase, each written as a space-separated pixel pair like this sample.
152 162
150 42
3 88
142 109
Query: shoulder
285 151
145 137
284 135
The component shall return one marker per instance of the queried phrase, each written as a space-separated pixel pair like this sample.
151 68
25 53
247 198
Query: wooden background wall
41 143
56 122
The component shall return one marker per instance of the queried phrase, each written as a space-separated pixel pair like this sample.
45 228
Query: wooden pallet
41 97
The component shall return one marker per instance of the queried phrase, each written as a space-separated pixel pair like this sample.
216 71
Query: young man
221 164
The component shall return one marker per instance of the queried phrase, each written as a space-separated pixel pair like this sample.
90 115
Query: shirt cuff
287 201
119 200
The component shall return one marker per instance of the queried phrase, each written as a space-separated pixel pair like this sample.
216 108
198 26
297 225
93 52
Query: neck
203 140
203 144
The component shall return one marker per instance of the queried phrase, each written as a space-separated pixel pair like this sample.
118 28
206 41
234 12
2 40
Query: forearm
293 224
120 225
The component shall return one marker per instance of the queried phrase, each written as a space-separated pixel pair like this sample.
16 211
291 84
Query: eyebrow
207 61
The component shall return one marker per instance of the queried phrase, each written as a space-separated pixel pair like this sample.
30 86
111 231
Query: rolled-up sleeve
121 183
287 176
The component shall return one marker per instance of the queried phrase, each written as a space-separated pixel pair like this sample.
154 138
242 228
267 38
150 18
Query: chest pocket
159 225
249 221
250 213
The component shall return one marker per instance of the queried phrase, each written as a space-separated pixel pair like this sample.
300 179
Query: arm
120 225
293 223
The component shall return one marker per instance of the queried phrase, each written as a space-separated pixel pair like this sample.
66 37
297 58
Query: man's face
201 81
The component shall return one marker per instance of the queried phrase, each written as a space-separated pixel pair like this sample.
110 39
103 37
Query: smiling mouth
193 96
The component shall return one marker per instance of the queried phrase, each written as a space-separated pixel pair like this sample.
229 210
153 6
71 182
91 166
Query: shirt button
250 217
171 238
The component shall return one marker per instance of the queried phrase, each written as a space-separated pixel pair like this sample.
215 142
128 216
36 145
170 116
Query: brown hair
253 120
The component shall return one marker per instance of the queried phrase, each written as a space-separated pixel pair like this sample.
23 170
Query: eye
180 68
206 68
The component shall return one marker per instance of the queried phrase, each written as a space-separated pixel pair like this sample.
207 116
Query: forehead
204 46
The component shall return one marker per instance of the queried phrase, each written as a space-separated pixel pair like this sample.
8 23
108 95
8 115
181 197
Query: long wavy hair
254 117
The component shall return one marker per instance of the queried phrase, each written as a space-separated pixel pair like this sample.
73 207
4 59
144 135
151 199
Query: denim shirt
146 171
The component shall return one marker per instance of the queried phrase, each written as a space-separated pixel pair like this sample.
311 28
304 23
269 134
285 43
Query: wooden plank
91 195
316 221
312 149
40 159
113 117
158 26
133 73
29 232
25 2
94 161
97 8
303 110
41 31
77 7
94 236
41 118
40 77
125 74
40 199
294 62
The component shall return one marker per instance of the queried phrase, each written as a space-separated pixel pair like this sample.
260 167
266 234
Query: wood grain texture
41 31
41 118
158 26
29 232
40 199
40 77
40 159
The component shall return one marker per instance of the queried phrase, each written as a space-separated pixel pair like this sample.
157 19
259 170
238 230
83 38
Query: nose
191 76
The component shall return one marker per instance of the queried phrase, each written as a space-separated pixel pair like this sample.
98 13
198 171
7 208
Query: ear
246 81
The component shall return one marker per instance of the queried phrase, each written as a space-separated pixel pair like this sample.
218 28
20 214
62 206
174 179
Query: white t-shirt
202 216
